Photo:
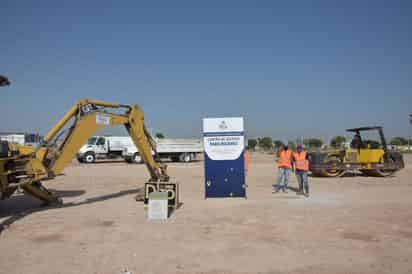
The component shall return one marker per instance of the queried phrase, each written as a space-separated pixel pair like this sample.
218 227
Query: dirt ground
353 224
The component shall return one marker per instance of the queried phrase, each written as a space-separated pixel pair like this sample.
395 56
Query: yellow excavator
25 167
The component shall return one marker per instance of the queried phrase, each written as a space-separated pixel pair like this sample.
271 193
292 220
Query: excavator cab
370 157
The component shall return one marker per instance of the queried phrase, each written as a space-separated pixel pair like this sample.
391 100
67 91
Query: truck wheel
137 159
185 157
89 157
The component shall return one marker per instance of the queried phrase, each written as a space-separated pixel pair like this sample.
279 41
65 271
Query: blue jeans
283 176
302 177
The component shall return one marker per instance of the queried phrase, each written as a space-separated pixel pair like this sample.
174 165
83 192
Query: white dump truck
111 147
103 147
176 150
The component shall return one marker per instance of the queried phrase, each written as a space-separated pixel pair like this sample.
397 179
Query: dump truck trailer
176 150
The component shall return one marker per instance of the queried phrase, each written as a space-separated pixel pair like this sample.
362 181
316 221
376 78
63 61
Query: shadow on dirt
295 189
99 162
121 161
352 174
20 206
172 210
347 174
170 162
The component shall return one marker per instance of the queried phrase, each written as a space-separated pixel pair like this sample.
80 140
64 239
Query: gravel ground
353 224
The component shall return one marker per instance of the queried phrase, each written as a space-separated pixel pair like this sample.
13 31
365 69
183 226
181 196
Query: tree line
400 141
313 143
269 143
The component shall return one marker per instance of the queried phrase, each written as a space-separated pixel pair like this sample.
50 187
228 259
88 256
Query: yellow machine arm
87 116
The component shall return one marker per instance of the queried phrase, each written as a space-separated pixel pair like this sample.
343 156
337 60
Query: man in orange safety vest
284 167
247 159
301 164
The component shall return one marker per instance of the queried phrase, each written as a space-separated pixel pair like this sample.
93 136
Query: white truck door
101 146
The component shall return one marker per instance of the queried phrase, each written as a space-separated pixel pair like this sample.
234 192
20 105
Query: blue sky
291 68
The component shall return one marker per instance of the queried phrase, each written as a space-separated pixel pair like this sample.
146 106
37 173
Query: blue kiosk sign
224 145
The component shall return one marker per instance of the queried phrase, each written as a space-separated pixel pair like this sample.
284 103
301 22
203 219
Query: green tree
399 141
252 143
265 142
313 142
160 135
337 141
277 143
292 145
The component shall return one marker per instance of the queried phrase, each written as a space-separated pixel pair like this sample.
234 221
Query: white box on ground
158 207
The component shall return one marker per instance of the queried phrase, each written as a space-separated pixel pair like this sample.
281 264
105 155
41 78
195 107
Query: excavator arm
83 120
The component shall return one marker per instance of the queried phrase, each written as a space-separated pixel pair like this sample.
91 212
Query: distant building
21 138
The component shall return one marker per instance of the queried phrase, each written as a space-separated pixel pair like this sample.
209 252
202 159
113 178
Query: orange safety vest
247 160
301 163
285 159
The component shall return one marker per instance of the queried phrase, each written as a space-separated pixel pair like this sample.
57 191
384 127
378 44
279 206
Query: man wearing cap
301 164
284 168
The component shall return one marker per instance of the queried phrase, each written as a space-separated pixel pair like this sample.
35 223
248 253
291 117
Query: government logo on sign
223 125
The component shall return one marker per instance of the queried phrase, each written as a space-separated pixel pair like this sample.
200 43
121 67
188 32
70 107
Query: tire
89 158
377 172
380 172
185 157
137 159
332 160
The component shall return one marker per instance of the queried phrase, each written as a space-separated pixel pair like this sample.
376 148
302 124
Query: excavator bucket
37 190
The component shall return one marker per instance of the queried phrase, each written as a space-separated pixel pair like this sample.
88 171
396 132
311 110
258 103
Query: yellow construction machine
372 158
25 167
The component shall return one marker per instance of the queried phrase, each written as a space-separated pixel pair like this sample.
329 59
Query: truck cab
94 148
